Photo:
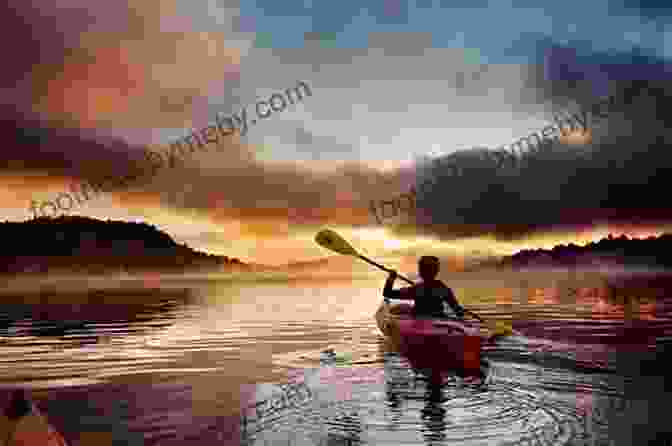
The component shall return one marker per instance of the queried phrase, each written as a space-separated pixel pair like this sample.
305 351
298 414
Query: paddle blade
334 242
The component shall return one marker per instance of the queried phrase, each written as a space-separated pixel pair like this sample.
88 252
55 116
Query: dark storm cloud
31 146
624 177
41 43
577 74
651 9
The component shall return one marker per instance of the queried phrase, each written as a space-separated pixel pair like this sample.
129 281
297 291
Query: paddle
334 242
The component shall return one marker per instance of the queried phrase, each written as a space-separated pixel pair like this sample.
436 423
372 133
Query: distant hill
332 264
323 262
615 251
88 245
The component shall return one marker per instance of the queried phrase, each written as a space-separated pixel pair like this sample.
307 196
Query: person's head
428 267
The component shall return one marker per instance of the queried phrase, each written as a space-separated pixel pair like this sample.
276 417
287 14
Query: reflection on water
434 415
169 365
56 343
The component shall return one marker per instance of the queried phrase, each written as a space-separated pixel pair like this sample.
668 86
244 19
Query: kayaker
428 295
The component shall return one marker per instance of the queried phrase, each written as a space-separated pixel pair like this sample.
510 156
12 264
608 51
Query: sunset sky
95 84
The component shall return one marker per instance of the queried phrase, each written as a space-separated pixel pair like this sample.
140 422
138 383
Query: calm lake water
163 361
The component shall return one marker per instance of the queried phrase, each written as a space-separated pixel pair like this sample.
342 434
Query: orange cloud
91 91
125 79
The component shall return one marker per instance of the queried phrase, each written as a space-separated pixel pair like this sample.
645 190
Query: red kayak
434 344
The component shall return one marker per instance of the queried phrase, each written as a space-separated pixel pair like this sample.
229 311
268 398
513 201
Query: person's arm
389 293
452 302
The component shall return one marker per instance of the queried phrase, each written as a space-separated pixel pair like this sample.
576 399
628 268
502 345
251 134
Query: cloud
619 178
96 81
122 69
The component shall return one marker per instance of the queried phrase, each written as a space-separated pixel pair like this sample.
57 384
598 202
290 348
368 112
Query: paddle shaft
384 269
475 315
334 242
408 280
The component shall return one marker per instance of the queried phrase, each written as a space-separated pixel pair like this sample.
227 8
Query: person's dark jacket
428 298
